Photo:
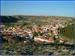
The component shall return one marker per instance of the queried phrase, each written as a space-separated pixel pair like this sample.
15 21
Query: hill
35 19
41 20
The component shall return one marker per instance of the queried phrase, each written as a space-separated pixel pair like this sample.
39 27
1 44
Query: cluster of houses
44 34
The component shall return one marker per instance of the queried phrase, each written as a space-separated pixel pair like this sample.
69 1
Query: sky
38 8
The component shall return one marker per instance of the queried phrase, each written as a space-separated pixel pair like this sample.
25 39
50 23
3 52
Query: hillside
6 19
41 20
16 42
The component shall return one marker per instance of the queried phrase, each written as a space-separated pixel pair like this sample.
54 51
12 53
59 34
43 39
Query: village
39 35
46 33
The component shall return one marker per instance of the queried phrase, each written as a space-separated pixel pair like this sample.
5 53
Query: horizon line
37 15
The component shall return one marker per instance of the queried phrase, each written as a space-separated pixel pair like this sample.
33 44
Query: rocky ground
29 48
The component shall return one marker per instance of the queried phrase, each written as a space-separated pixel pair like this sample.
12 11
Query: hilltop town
37 31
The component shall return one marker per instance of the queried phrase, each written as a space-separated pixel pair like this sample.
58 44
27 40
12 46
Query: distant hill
13 19
7 19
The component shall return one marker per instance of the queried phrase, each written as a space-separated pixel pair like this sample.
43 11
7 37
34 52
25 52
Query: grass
68 32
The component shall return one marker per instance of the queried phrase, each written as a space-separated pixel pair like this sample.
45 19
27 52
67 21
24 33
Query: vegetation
68 31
